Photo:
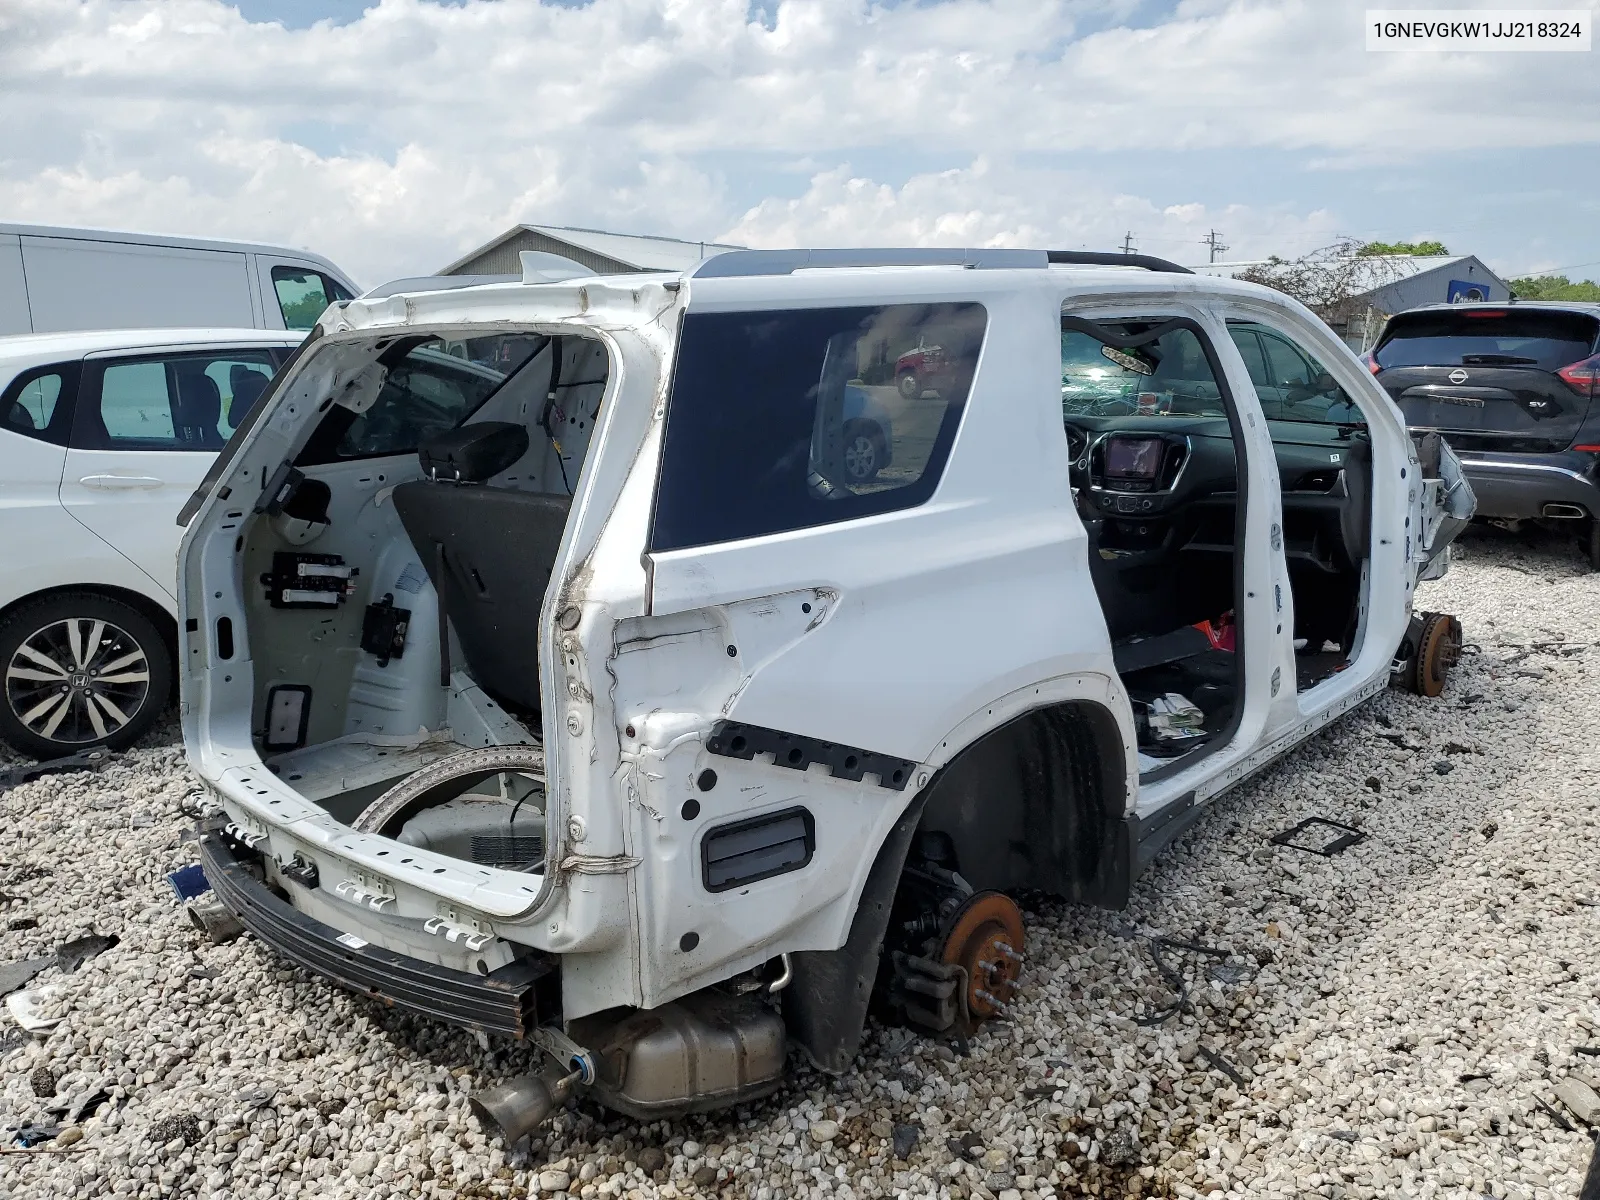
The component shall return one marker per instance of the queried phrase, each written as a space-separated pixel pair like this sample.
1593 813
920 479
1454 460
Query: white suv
594 699
102 438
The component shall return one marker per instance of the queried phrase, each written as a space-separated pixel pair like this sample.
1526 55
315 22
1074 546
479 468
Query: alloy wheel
861 458
77 681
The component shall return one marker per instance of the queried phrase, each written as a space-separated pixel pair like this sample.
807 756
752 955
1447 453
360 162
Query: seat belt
444 619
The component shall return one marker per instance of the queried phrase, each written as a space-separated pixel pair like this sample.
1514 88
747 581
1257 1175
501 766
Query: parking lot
1390 1020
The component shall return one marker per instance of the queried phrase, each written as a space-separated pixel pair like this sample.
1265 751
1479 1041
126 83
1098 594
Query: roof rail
744 263
1104 258
740 263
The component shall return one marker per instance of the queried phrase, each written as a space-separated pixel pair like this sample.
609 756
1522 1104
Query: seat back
198 411
489 552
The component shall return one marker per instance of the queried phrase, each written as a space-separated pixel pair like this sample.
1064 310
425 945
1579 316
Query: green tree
1418 248
1555 287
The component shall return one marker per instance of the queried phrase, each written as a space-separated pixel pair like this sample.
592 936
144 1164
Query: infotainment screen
1133 457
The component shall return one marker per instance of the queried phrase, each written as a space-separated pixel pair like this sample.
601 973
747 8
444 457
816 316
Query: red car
920 369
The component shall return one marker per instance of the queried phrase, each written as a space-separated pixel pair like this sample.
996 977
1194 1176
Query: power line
1550 270
1213 240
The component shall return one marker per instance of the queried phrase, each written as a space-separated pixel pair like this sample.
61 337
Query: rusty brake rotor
985 937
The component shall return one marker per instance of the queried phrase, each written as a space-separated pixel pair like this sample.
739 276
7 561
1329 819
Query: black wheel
863 451
1591 544
79 670
908 385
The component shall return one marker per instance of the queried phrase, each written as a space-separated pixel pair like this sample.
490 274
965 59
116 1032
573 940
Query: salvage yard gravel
1417 1014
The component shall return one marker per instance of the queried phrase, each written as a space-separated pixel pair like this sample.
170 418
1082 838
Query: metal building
602 252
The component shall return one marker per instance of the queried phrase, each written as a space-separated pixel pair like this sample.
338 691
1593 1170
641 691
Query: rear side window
38 402
178 402
794 419
302 296
1499 338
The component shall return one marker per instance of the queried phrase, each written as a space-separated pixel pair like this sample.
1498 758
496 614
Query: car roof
1586 307
23 351
226 245
92 341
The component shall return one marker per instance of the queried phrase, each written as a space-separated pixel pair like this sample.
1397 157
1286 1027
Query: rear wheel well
1038 803
144 605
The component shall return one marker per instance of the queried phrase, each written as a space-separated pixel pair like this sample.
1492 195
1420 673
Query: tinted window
182 402
1526 338
1250 350
336 290
1291 383
1165 377
302 296
788 420
430 387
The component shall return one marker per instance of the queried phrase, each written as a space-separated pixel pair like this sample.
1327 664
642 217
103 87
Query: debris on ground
1384 974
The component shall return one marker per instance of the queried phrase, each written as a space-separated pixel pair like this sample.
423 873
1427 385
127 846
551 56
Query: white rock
824 1131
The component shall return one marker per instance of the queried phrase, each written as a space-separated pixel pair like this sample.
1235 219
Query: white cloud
667 115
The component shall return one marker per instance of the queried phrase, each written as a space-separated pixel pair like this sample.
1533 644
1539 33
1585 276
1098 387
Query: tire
1591 544
47 639
863 451
909 387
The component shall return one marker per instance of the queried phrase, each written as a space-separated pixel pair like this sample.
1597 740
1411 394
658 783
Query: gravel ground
1387 1021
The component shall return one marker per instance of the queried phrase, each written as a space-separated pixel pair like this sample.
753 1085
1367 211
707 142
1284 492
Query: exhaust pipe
213 918
519 1106
1566 512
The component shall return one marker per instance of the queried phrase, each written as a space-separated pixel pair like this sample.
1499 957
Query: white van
54 280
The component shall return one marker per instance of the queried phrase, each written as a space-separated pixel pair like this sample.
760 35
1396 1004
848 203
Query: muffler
1565 512
519 1106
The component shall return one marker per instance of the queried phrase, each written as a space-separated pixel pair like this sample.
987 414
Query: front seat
198 411
247 386
489 552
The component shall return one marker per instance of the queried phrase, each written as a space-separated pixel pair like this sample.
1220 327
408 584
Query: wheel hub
78 680
985 938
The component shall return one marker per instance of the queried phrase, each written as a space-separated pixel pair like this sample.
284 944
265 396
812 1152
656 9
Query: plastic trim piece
797 752
742 852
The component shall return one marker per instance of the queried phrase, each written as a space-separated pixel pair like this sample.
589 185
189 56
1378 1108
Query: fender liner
825 1007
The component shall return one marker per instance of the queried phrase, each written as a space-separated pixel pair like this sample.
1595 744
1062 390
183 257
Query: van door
13 288
295 293
146 429
81 284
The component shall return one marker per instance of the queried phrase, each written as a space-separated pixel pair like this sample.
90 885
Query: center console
1135 474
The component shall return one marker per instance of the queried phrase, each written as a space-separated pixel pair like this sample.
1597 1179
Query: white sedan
103 436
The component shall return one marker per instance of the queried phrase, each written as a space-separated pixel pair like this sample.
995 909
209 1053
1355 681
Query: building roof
643 252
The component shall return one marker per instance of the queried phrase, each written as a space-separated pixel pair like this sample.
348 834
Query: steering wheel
1078 447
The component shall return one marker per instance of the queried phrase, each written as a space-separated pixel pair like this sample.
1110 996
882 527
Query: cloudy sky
394 136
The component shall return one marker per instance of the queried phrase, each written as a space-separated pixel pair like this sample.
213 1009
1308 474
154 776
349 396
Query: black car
1512 387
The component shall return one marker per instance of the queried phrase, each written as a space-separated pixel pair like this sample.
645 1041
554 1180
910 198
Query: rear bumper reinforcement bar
500 1002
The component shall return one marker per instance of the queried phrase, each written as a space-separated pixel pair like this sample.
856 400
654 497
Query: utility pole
1213 240
1127 242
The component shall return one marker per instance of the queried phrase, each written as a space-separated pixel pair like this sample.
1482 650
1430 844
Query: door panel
75 284
145 432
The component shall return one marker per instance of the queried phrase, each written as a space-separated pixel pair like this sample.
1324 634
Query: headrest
473 453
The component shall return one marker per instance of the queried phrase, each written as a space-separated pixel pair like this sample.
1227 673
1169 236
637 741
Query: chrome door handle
120 482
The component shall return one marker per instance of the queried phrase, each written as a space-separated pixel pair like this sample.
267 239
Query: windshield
1547 341
1168 376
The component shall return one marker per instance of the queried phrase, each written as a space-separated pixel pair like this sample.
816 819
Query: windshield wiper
1501 360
